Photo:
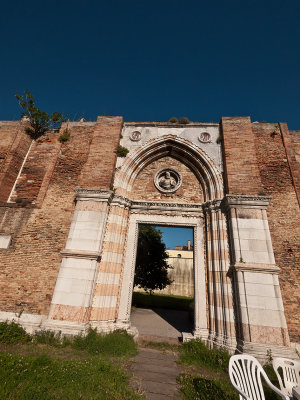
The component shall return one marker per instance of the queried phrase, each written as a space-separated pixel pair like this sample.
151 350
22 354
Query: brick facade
258 160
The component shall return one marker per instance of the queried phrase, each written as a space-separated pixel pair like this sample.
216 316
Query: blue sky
151 60
176 236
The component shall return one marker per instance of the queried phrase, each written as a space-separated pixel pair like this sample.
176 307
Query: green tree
39 120
151 270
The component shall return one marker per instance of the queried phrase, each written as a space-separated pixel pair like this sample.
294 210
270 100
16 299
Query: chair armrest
241 393
273 387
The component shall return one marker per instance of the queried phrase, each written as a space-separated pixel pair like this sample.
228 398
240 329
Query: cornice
91 255
93 194
252 267
246 201
162 206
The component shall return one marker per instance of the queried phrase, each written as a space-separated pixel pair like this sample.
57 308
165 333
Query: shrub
122 151
65 136
184 120
11 332
173 120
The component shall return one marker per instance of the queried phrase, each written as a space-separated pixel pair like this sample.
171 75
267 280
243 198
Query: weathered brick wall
98 171
189 191
241 172
14 144
284 216
29 267
291 141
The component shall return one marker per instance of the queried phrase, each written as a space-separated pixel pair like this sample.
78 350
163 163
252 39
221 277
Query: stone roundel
204 137
135 136
167 180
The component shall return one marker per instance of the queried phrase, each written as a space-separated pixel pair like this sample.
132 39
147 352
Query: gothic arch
183 150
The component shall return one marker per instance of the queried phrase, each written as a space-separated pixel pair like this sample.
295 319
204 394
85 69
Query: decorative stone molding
121 200
212 205
93 194
161 206
246 201
167 180
252 267
91 255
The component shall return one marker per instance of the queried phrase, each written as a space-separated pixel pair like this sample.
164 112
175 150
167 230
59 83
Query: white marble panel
5 241
256 277
71 299
264 303
250 223
255 289
108 278
261 257
265 317
105 301
109 256
83 244
79 263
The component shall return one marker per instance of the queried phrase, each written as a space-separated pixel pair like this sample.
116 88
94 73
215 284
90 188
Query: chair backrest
245 375
289 376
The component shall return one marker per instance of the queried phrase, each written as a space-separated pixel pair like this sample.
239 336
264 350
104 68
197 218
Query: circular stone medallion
167 180
135 136
204 137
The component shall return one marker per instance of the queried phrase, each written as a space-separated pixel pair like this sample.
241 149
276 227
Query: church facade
70 212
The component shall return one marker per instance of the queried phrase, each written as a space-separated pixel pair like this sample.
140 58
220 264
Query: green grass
155 300
46 366
195 352
212 379
43 377
198 388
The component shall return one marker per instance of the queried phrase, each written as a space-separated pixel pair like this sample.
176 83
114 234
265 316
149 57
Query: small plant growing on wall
173 120
40 121
184 120
122 151
65 136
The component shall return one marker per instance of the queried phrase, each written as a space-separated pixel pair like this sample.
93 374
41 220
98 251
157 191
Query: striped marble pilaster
219 286
107 288
71 301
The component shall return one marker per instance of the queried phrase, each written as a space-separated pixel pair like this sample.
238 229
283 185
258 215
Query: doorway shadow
177 318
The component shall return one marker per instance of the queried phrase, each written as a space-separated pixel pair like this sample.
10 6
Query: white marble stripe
108 278
105 301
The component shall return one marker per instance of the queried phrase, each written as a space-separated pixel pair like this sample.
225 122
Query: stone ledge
252 267
92 255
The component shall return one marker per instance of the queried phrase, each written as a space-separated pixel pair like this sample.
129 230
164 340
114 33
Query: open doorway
163 295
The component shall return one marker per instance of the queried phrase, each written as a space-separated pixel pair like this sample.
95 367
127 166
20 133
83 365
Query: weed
173 120
122 151
65 136
11 333
184 120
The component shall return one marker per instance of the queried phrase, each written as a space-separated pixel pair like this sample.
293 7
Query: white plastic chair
290 376
245 374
